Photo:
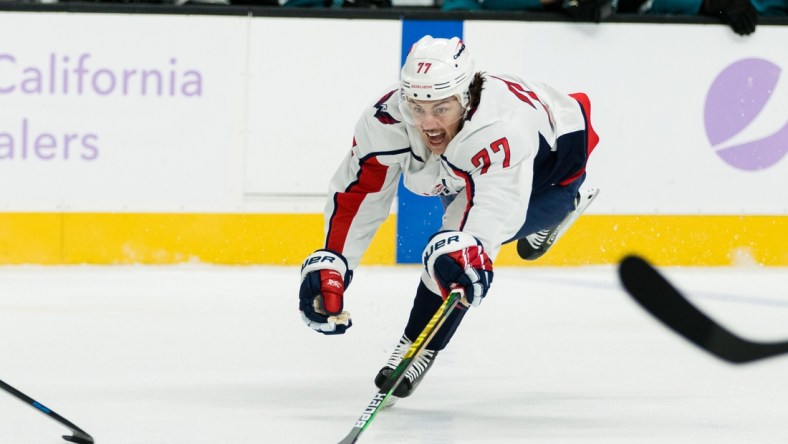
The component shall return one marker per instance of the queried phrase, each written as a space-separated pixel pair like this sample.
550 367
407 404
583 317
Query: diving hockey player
506 156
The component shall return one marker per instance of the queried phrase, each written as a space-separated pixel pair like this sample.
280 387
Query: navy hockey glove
456 259
739 14
324 277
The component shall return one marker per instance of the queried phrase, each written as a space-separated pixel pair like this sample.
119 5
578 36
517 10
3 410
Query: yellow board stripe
120 238
668 240
285 239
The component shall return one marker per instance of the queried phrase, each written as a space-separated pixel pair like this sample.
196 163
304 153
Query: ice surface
199 354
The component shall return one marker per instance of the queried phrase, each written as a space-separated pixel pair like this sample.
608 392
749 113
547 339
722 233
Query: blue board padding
418 217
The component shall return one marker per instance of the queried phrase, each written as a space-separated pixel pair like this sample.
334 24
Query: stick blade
349 439
660 298
82 439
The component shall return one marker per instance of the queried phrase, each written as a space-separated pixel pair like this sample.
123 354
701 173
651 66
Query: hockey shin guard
424 306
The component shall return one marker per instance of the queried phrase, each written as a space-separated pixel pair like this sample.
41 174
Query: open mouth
435 138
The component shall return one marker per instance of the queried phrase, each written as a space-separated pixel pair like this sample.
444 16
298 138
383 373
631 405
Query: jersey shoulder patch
382 109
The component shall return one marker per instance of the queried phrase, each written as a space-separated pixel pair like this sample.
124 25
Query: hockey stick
388 386
654 293
79 435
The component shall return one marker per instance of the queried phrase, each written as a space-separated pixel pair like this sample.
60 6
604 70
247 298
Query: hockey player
507 158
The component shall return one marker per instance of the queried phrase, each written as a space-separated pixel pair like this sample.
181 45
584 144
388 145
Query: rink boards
217 146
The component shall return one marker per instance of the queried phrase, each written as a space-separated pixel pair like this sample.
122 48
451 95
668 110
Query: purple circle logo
734 100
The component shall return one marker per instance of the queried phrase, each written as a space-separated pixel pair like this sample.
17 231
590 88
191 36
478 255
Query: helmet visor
438 113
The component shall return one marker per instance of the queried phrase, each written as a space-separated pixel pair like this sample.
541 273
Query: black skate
534 245
413 375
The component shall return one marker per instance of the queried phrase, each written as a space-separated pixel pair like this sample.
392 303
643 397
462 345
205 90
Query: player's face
438 121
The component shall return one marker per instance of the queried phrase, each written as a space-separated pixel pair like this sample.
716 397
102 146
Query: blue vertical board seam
418 217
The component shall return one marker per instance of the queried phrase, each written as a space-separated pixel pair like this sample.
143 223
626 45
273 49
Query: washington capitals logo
461 48
381 112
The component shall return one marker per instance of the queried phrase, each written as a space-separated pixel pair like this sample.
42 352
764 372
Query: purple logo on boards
735 98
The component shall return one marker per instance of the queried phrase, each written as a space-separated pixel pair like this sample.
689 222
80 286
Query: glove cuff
327 260
444 242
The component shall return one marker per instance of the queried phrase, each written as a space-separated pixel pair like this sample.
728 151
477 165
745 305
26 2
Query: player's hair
475 89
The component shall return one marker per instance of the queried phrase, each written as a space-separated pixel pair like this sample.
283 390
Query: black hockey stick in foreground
654 293
79 435
396 376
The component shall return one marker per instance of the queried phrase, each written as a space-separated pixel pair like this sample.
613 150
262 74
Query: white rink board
306 94
279 98
178 148
648 87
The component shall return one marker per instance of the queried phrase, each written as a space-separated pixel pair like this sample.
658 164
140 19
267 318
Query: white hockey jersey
509 145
